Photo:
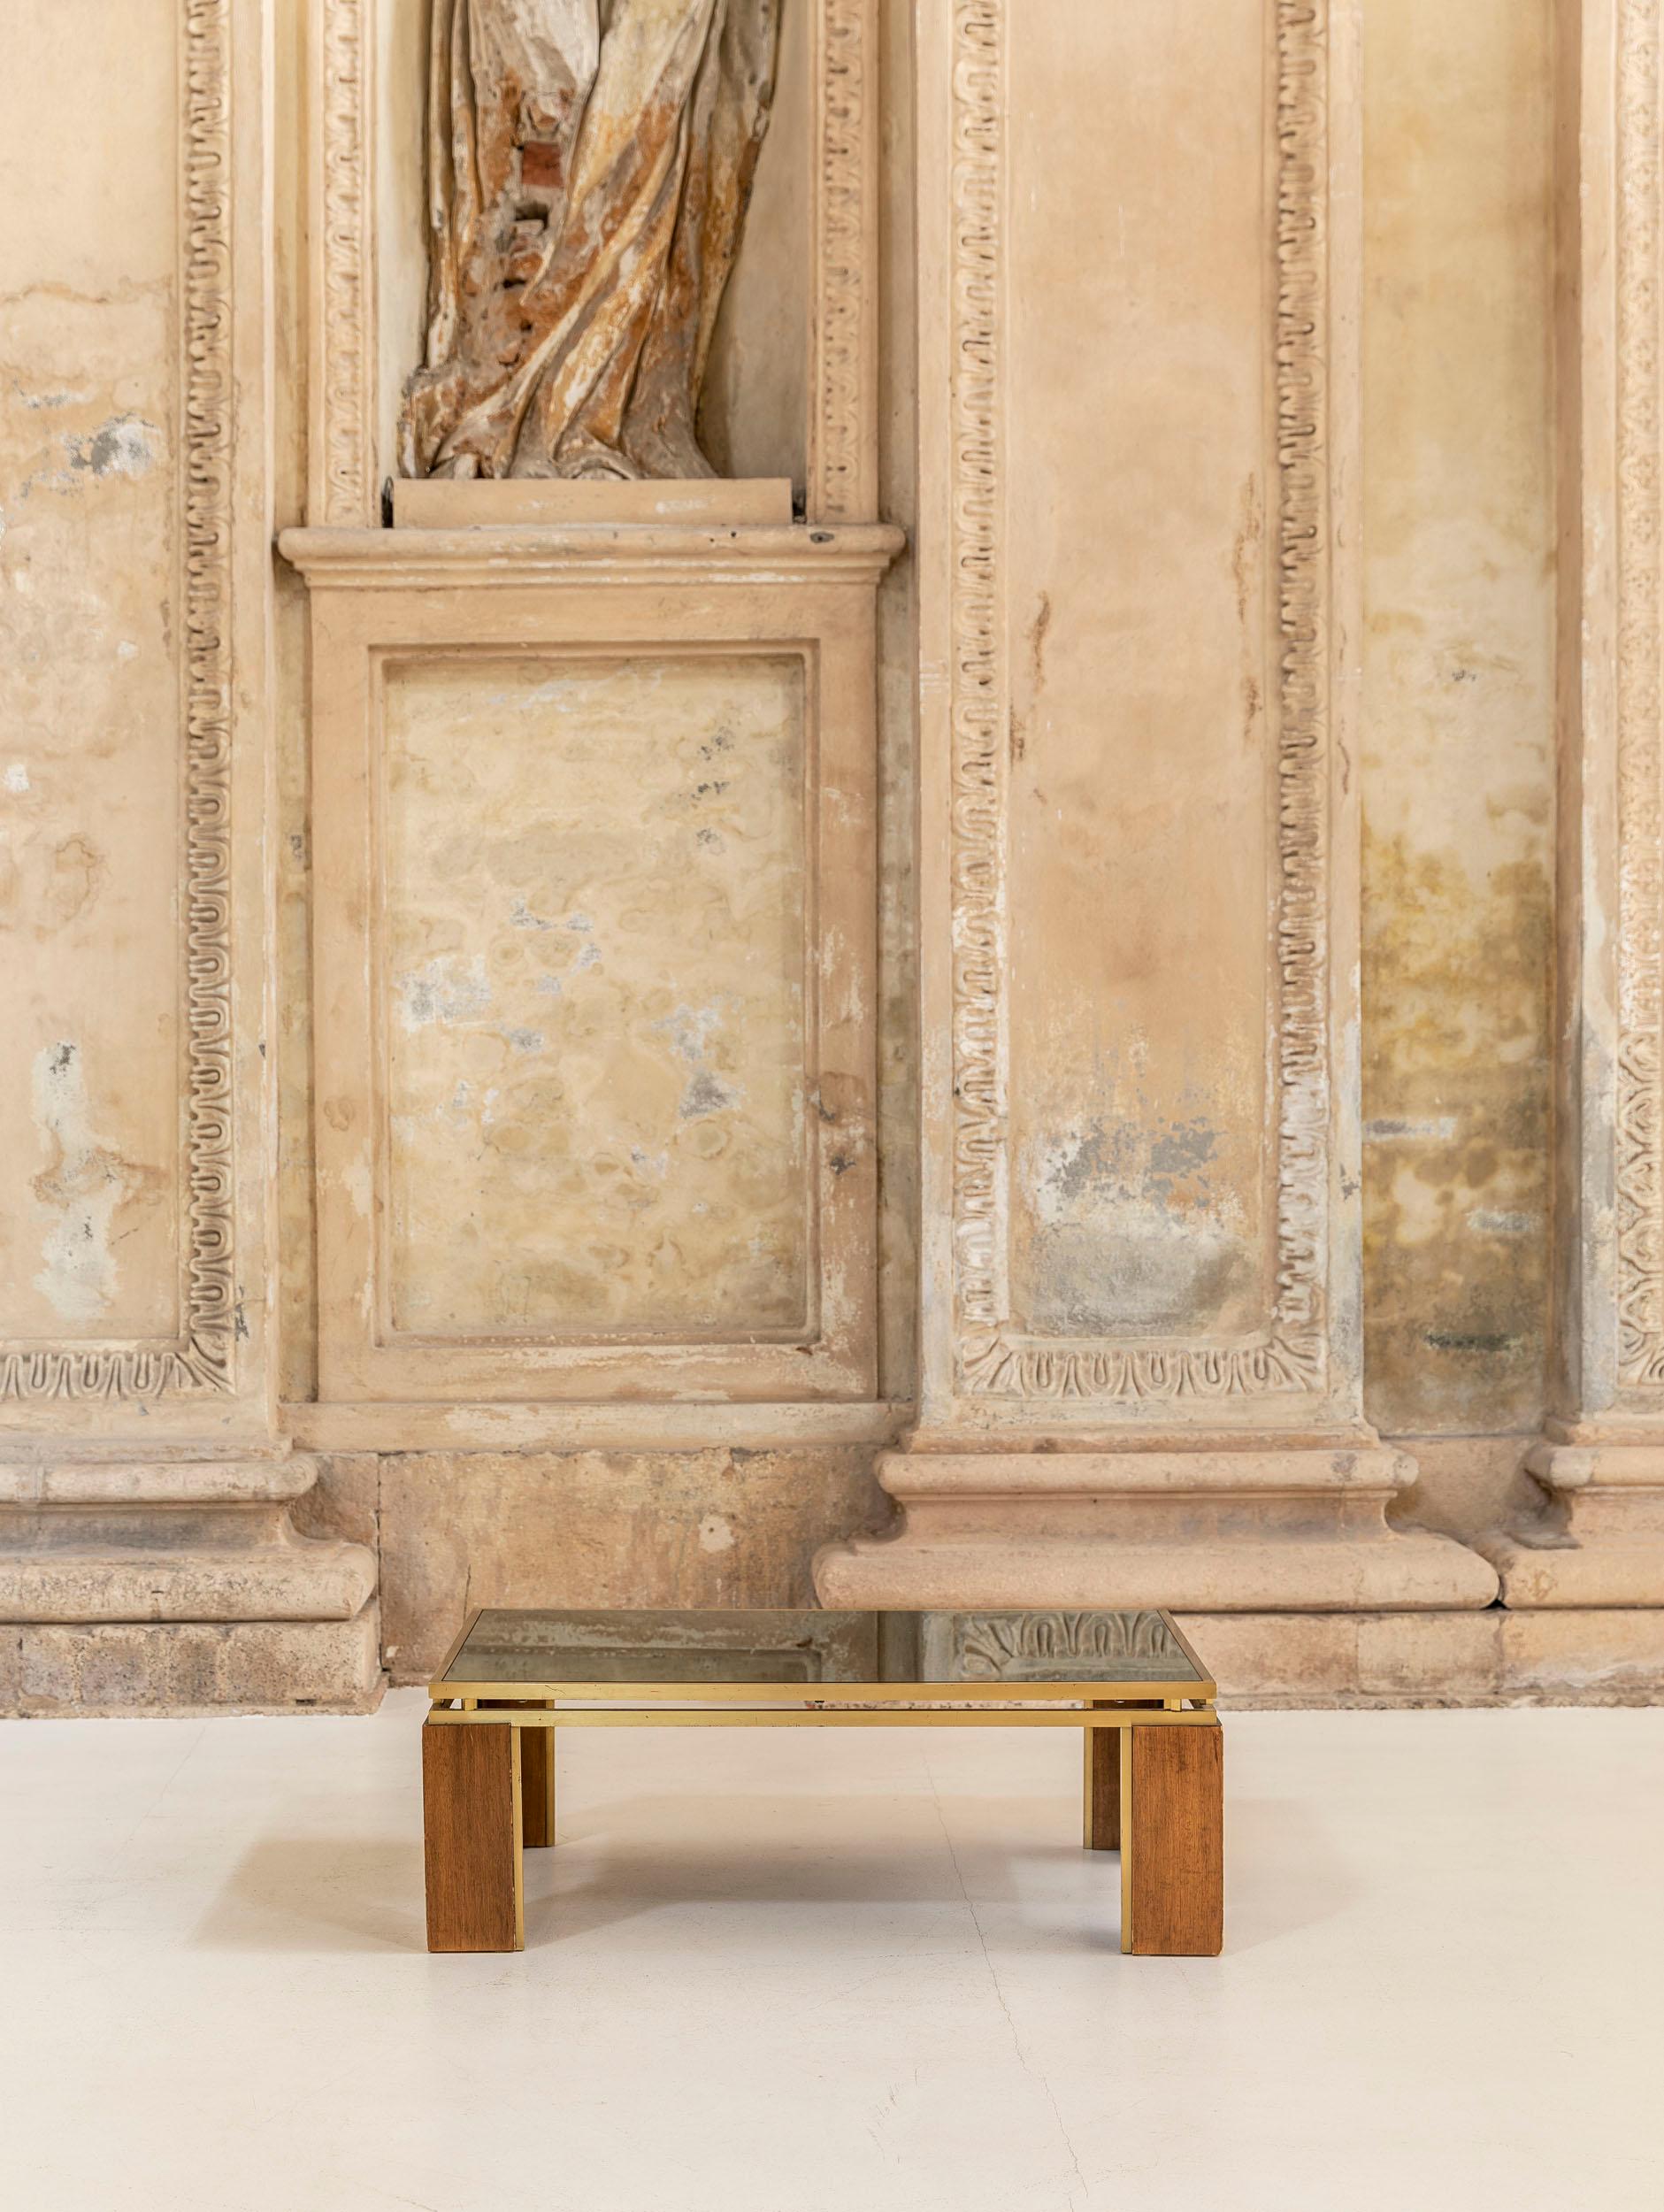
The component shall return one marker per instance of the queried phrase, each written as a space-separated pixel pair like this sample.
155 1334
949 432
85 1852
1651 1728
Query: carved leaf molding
996 1647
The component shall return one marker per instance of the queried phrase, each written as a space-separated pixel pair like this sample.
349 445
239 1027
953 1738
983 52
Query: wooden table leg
1101 1789
537 1787
470 1805
1172 1842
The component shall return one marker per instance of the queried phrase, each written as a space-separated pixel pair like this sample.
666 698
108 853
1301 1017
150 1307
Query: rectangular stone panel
90 690
594 991
1138 581
1143 683
594 860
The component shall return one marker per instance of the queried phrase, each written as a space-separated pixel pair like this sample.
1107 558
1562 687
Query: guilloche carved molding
343 460
843 461
200 1360
993 1359
1638 1178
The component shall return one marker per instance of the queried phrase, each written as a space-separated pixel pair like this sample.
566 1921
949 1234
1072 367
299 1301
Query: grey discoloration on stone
705 1094
82 1191
451 989
1128 1229
79 1672
125 446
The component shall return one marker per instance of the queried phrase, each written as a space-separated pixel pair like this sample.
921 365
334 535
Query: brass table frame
1170 1837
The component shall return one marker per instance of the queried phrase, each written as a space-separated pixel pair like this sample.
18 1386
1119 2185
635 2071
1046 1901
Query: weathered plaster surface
596 941
1459 757
1134 765
89 704
1139 737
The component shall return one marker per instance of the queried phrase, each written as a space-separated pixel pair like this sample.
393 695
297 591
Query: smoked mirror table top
782 1656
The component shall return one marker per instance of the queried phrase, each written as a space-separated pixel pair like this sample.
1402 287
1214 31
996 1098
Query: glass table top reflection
537 1653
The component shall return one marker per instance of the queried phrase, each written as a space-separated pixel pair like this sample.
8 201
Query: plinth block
178 1586
1200 1532
1600 1542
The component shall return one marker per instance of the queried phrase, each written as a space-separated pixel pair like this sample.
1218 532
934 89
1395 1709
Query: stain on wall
1459 751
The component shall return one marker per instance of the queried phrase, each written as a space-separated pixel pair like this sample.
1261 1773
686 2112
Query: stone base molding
1600 1541
1490 1657
176 1586
1296 1528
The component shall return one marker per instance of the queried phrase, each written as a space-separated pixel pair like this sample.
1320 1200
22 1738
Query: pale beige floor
789 1972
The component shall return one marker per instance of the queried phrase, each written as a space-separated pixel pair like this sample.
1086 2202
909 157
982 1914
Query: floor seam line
993 1978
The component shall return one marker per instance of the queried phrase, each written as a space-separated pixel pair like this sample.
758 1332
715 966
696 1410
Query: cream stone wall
1459 753
1216 361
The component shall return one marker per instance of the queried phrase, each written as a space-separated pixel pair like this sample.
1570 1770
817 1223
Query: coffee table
1150 1739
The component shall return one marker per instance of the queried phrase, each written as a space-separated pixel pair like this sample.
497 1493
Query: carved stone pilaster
1142 1247
78 1379
1600 1538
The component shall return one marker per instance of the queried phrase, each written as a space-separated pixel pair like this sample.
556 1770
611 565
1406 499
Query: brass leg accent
1172 1842
470 1805
537 1773
1101 1789
537 1787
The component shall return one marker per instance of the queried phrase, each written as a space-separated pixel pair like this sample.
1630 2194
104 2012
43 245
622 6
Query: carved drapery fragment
589 166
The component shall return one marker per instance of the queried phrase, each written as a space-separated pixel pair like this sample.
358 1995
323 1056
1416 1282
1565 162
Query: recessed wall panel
1143 689
593 996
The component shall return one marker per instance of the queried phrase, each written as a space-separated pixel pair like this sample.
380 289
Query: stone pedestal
1204 1530
178 1586
1600 1540
594 1030
1497 1656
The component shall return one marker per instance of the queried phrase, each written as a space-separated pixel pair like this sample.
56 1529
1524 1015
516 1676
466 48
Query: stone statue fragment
589 165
